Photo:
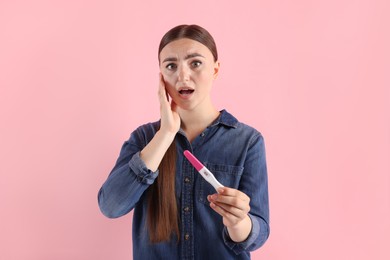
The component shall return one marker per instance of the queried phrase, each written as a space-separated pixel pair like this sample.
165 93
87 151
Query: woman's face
189 69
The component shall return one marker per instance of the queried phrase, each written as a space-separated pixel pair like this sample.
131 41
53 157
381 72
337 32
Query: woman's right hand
170 119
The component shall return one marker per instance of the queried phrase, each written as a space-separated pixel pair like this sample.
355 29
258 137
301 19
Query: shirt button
202 134
186 209
187 180
186 236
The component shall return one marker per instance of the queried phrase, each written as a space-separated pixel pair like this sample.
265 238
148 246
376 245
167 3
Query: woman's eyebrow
189 56
192 55
170 59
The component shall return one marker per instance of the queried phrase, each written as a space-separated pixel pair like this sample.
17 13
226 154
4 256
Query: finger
224 213
231 204
231 196
166 94
231 201
161 90
165 88
173 106
226 191
237 212
162 93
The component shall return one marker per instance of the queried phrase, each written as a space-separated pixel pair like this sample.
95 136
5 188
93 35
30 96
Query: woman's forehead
183 48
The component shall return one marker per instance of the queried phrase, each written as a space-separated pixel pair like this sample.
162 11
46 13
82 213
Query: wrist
240 231
244 222
165 135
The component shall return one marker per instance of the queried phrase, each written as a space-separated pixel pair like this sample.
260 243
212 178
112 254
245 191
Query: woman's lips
186 93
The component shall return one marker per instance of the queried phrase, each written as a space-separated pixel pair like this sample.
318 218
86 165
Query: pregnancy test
206 174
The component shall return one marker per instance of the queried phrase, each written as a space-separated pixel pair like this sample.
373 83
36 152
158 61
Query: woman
177 214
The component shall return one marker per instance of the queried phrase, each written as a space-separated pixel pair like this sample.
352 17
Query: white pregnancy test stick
206 174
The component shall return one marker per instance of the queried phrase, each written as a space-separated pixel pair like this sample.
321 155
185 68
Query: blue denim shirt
233 152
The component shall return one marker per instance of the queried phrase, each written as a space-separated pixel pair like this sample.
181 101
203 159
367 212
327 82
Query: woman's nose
184 74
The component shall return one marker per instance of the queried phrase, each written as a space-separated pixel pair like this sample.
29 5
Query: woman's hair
162 214
193 32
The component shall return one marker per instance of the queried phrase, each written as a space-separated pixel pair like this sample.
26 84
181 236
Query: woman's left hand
231 204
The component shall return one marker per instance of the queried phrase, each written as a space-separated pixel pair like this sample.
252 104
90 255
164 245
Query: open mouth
186 91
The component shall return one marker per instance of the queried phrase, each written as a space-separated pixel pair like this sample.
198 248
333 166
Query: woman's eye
171 66
196 64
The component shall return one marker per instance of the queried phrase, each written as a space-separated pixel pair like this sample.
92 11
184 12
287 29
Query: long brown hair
162 216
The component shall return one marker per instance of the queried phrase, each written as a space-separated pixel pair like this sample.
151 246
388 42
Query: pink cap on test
195 162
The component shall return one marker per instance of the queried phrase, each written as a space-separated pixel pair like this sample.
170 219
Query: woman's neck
193 122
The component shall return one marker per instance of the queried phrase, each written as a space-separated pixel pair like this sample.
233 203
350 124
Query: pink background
77 77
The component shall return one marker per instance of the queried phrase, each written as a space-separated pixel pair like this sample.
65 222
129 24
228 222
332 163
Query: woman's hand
154 151
170 119
233 206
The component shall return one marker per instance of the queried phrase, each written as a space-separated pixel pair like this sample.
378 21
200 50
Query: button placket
187 212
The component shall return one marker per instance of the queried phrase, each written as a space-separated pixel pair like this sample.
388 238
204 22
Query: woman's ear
216 69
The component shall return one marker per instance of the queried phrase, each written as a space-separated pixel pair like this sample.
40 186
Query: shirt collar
226 119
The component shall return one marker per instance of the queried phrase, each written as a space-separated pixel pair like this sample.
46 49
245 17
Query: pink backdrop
77 77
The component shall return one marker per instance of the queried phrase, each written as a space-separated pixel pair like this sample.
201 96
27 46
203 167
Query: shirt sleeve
127 181
254 183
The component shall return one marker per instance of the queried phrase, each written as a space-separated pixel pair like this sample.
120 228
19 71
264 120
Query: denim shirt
233 152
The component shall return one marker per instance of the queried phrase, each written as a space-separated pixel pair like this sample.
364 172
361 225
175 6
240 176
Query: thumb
173 106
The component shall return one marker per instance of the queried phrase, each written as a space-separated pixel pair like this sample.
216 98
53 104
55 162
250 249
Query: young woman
177 214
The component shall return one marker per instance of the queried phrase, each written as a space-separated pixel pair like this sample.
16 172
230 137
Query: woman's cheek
170 89
168 79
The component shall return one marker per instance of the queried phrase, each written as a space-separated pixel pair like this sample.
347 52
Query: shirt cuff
143 174
242 246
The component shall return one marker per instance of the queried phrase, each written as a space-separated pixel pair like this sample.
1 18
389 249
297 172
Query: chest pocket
227 175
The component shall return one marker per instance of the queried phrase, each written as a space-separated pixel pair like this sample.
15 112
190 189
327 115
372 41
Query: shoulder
247 128
240 128
253 135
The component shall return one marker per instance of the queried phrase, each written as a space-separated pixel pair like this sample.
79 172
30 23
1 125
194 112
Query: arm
136 169
153 153
129 178
245 211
